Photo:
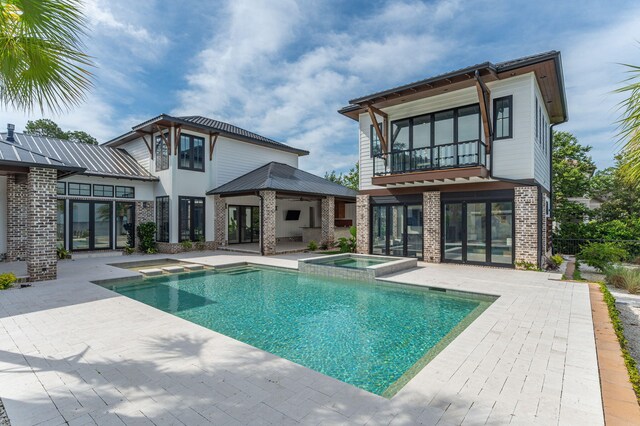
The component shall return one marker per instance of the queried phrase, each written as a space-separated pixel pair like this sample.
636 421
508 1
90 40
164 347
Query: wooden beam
166 141
213 138
379 112
484 97
176 138
374 121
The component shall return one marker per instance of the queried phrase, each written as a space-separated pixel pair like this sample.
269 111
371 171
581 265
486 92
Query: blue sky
282 68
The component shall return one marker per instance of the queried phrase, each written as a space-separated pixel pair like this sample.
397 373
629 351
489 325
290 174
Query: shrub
128 250
7 280
625 278
554 262
602 255
186 245
313 246
527 266
62 253
147 236
348 245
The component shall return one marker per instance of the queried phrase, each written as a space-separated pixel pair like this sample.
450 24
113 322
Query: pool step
193 267
150 272
173 269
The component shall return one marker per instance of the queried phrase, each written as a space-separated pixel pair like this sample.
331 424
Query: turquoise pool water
374 336
352 262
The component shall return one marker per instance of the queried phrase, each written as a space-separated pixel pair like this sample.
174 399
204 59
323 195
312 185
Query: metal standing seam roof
212 125
282 177
12 154
95 160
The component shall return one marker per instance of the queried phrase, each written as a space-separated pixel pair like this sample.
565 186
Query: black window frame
190 150
60 185
99 185
192 236
132 188
86 186
372 134
63 202
509 99
159 212
161 153
432 127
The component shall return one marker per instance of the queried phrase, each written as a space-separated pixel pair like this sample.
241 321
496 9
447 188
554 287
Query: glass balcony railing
438 157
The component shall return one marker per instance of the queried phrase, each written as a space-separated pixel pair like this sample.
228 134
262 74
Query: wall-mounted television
292 215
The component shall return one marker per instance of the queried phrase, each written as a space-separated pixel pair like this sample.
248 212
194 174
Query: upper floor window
375 147
191 153
503 117
81 189
162 153
61 188
102 190
125 192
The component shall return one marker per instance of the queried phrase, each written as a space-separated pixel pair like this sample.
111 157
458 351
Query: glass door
476 232
244 224
453 231
246 233
414 231
90 225
234 225
101 238
80 214
379 230
125 224
396 231
502 232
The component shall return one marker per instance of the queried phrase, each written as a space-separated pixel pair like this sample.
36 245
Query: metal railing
572 246
438 157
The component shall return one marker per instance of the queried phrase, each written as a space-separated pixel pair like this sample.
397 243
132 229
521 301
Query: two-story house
200 180
457 167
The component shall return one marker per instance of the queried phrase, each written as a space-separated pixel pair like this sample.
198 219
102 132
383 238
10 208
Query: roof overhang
280 194
19 167
546 67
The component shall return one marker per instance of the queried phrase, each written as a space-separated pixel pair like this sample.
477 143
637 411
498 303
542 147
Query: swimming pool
372 335
353 262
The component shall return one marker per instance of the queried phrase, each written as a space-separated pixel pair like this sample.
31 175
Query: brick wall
17 197
362 224
328 218
219 221
431 226
143 214
41 223
268 222
527 227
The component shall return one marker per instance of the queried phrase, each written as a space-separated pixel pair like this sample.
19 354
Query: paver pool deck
74 352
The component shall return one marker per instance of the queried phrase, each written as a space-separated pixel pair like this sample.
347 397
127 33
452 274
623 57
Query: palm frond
629 124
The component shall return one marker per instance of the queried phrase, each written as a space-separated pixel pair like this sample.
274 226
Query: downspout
261 223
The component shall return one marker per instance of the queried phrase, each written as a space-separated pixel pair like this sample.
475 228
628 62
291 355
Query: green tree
351 179
41 58
49 128
620 196
629 125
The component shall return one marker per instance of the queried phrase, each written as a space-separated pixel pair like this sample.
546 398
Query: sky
282 68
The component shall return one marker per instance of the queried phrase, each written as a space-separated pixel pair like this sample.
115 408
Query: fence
572 246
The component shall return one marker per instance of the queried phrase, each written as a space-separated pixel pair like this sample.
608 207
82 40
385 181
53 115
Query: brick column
41 220
362 224
143 215
328 220
526 216
268 225
431 226
17 208
220 221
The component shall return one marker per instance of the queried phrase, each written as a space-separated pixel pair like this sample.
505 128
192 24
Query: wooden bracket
166 141
374 121
213 138
176 138
149 145
484 98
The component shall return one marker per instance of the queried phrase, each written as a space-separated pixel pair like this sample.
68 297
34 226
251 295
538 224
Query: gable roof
92 160
285 178
208 125
487 70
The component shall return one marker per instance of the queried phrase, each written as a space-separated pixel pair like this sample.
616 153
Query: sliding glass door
397 230
478 232
243 224
125 224
90 225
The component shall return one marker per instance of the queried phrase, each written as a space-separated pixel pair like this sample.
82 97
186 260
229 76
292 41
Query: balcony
464 160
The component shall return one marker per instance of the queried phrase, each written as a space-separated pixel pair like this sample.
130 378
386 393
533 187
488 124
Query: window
191 218
82 189
468 123
125 192
503 117
443 128
376 148
61 188
60 225
400 135
103 190
191 153
162 219
162 153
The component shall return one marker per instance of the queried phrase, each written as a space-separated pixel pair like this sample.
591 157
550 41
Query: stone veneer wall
219 221
362 224
328 219
268 224
17 199
173 248
527 227
431 226
42 261
143 214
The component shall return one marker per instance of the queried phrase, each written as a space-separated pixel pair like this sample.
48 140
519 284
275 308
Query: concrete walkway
71 351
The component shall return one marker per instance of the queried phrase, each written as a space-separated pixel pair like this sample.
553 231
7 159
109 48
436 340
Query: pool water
353 262
371 335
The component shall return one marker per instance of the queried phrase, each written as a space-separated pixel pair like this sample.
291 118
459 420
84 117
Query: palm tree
41 62
629 125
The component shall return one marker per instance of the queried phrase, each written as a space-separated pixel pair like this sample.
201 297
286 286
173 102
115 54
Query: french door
244 224
125 223
90 225
397 230
478 232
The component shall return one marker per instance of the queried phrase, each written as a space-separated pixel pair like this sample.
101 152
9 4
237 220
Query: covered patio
278 208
